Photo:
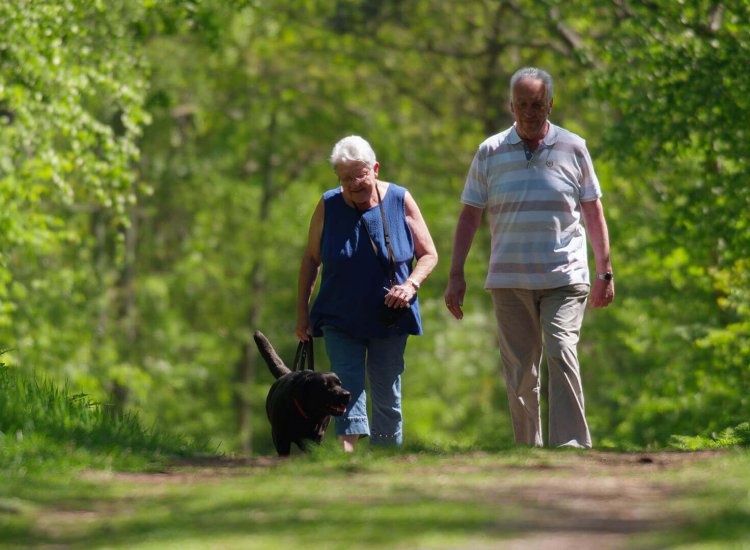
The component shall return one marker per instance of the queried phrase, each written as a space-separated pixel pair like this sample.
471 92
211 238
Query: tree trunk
245 369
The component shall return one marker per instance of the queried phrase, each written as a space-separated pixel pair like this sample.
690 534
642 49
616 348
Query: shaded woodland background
159 162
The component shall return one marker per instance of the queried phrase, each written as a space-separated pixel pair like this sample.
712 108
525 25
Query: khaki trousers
531 322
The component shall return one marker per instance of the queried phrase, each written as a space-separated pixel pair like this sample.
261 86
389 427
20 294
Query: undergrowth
739 436
45 427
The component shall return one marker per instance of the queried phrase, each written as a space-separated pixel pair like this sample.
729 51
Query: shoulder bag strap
391 274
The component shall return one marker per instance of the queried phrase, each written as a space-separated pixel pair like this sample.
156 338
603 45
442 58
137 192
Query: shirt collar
550 139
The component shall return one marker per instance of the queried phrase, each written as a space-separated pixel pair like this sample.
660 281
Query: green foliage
673 75
44 427
159 163
739 436
71 94
72 87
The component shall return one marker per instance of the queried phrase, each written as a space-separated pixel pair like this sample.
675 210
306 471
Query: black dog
300 403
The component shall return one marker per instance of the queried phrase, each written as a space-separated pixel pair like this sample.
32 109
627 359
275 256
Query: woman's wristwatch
608 276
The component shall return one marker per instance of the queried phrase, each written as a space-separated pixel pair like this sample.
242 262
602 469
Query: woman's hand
400 295
303 329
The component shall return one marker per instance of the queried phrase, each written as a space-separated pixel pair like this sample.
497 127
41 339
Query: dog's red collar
300 409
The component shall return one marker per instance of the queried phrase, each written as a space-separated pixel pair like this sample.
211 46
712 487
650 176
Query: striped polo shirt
538 238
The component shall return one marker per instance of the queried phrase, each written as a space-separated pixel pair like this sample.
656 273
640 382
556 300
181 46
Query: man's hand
603 293
454 295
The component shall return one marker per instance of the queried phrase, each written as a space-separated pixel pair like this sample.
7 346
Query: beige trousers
531 322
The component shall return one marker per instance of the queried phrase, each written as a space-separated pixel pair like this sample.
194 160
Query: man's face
529 107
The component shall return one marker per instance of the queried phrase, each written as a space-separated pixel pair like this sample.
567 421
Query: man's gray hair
535 74
352 148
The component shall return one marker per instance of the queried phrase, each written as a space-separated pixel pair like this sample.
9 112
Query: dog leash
304 359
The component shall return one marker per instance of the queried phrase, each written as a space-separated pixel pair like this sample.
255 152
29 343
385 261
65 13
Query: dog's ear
275 364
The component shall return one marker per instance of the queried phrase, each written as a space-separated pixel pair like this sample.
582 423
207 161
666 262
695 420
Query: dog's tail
275 364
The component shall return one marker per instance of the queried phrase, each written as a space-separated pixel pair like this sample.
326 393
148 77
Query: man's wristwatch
605 276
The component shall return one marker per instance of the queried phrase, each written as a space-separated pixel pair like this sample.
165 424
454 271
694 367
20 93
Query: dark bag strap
391 274
304 359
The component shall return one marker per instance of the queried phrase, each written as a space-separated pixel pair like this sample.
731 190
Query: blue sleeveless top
354 279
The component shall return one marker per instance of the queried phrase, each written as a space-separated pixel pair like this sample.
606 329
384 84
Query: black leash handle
304 359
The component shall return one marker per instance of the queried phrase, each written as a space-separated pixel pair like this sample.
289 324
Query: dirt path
555 501
591 500
603 501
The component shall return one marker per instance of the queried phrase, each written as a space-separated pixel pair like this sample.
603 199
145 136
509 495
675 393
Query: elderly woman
366 234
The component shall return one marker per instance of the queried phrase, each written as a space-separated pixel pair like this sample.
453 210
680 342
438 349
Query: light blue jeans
381 362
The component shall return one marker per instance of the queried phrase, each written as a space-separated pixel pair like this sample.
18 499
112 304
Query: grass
45 428
329 500
75 475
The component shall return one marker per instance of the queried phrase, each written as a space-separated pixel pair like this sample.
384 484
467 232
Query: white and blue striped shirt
538 238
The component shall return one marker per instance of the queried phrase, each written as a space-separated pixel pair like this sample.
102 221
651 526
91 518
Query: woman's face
357 180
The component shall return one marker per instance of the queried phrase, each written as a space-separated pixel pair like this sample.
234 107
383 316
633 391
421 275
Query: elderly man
538 184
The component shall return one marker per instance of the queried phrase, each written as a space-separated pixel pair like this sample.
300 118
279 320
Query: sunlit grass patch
44 427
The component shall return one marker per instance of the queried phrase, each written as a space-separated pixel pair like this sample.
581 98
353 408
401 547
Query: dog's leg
284 448
283 445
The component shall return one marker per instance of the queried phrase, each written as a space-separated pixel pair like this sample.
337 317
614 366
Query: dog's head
321 394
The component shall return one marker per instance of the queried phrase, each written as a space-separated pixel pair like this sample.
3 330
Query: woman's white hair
535 74
352 148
